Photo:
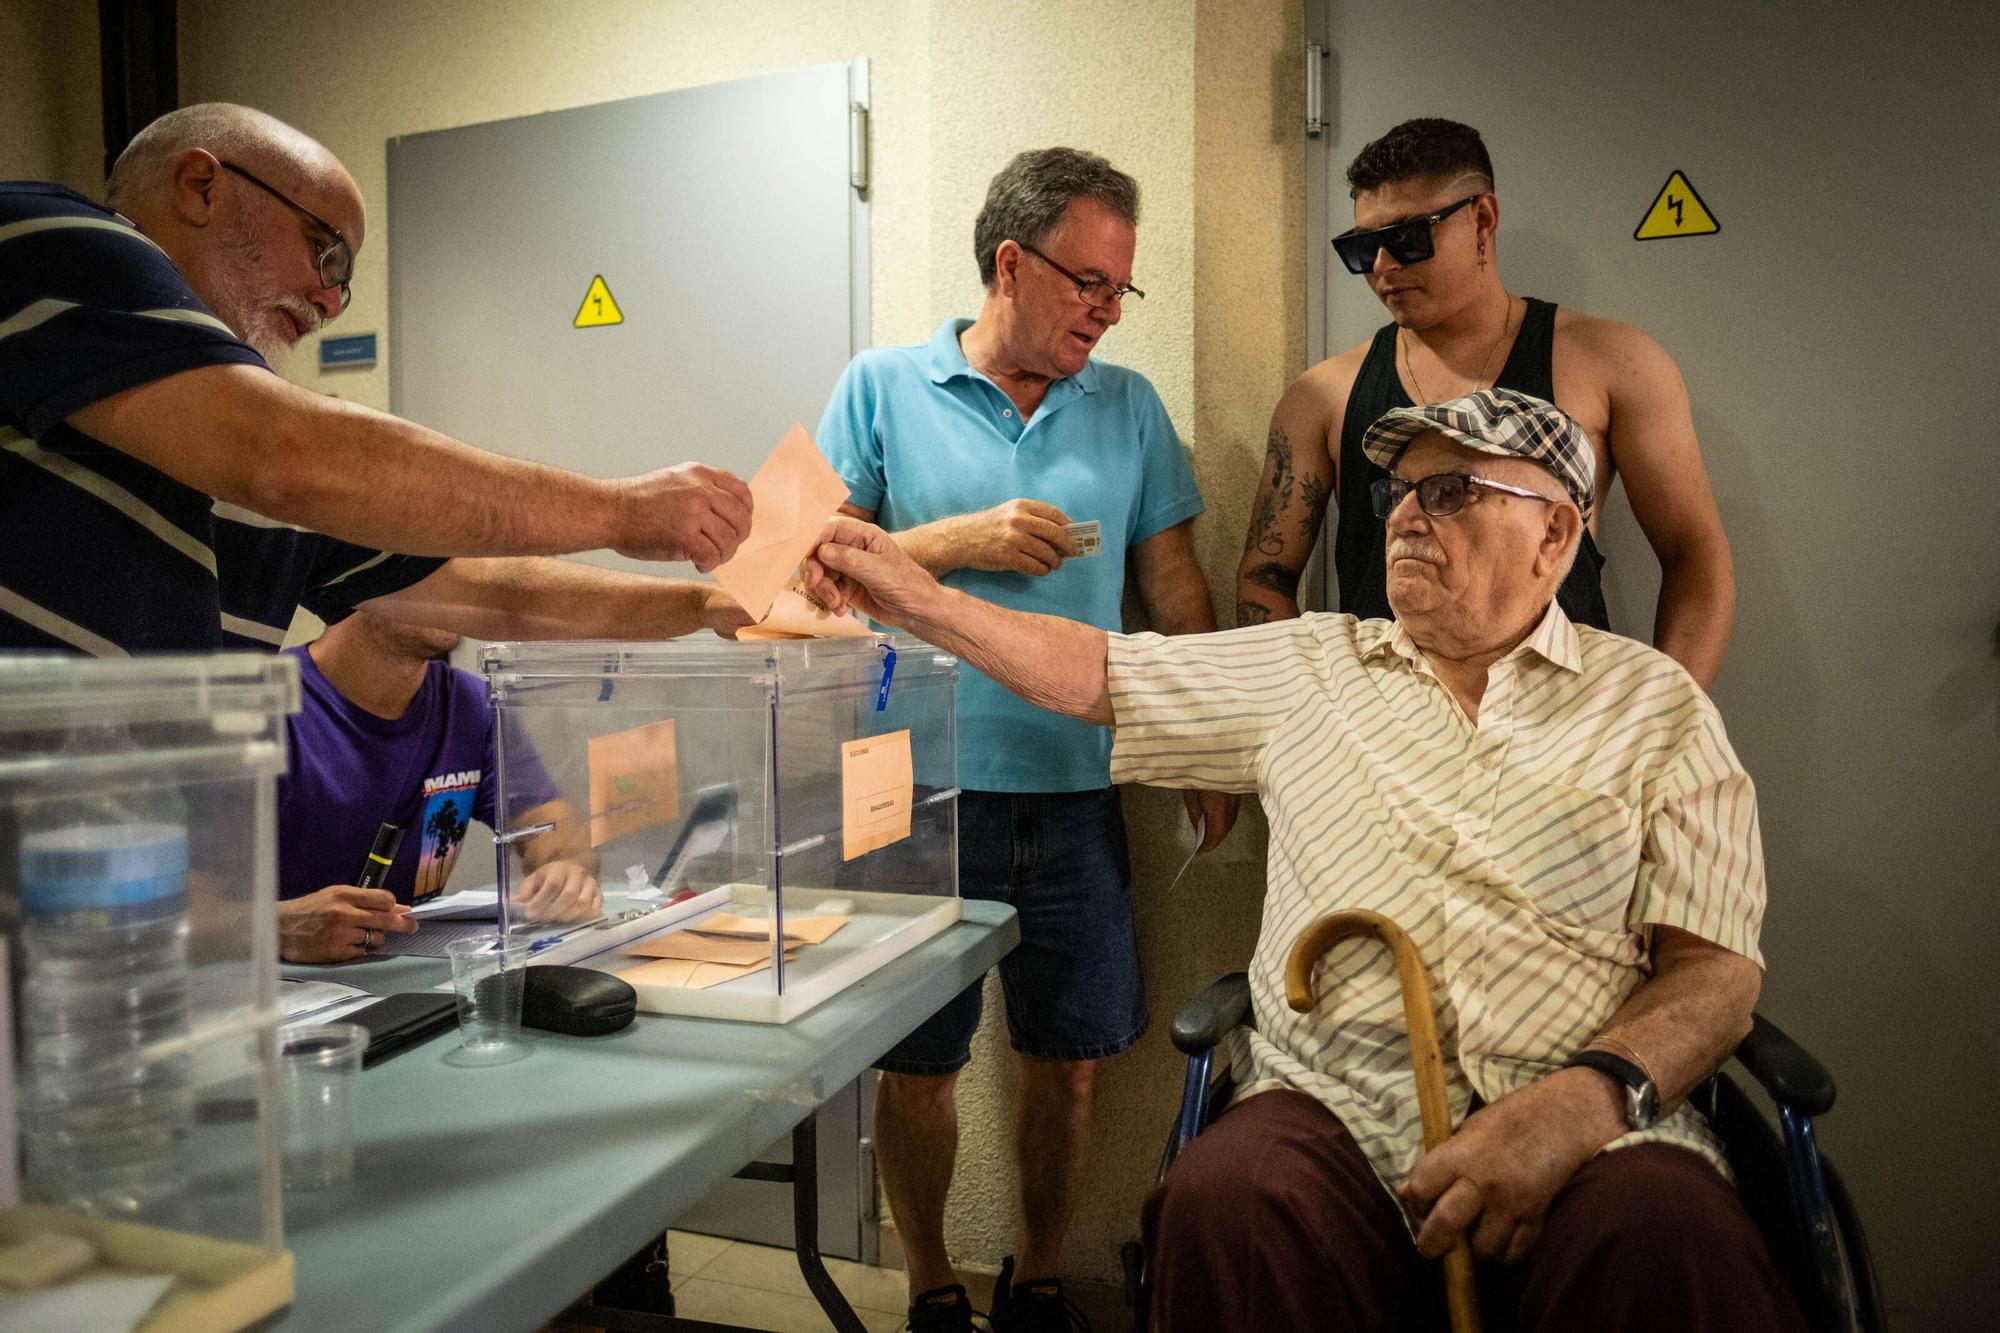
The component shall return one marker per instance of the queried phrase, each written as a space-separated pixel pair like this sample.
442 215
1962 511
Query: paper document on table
875 786
792 496
465 905
317 1001
803 929
686 973
796 616
634 781
430 939
101 1302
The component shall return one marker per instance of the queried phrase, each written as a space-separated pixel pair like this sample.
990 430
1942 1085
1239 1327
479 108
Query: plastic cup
318 1067
489 975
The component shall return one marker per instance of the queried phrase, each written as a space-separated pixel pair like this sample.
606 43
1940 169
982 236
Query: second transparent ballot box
138 972
740 830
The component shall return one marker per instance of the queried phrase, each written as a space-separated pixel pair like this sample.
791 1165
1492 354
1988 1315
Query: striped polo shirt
1526 855
99 552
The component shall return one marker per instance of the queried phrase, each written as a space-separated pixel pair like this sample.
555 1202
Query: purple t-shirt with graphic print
430 770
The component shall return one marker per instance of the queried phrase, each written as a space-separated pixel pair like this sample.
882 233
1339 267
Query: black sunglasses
1441 494
1408 241
334 261
1099 292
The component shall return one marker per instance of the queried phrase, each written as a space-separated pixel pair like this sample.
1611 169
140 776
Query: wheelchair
1792 1191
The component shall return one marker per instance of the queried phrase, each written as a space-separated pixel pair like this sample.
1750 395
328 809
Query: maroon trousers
1273 1220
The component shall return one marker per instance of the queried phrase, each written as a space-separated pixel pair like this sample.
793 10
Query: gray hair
223 129
1027 200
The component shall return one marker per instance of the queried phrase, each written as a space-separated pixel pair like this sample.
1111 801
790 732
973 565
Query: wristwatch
1642 1099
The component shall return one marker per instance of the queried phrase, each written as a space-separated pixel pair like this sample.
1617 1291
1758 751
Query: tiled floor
730 1282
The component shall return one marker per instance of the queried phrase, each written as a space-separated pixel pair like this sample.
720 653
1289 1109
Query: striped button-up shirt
1527 855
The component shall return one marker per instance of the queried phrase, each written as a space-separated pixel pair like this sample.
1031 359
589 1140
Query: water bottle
107 1102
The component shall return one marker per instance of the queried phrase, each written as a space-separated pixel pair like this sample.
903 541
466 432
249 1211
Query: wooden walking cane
1461 1296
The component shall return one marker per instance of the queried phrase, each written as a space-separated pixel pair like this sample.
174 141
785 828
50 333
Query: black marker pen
388 839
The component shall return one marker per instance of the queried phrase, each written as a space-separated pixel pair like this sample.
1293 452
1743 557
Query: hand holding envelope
796 491
795 616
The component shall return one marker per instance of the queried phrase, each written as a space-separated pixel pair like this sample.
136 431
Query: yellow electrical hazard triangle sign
598 308
1677 211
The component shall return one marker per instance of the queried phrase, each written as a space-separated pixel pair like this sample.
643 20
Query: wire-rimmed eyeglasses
1099 292
1441 494
334 260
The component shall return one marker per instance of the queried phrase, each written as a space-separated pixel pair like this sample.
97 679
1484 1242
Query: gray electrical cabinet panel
615 288
627 286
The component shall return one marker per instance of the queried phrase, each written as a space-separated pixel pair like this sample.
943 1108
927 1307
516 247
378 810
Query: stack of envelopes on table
722 948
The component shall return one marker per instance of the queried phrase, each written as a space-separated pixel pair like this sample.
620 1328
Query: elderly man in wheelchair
1556 820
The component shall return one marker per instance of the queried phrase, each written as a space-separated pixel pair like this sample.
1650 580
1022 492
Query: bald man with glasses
161 490
1426 242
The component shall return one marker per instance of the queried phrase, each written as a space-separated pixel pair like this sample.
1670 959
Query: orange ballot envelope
875 785
700 949
792 495
687 973
634 781
798 929
794 616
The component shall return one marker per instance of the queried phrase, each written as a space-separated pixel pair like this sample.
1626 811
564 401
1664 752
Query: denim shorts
1072 985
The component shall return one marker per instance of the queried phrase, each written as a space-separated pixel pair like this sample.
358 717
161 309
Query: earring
1482 254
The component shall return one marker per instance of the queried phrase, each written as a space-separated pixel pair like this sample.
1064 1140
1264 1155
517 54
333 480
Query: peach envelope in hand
793 495
795 616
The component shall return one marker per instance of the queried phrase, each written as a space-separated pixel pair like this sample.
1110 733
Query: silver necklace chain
1410 368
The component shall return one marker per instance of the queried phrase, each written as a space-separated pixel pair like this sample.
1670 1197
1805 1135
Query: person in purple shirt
389 732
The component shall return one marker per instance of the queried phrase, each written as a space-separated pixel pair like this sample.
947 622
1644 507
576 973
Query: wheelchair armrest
1784 1067
1204 1021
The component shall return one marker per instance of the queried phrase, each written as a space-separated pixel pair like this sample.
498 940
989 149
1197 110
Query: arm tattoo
1313 491
1278 578
1251 613
1275 497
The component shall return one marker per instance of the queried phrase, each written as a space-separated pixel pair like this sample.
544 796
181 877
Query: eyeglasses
1095 291
1408 241
334 261
1441 494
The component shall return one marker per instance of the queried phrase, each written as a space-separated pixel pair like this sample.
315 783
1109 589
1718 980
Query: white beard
255 318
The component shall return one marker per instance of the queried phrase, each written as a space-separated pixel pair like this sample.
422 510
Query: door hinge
1315 89
857 146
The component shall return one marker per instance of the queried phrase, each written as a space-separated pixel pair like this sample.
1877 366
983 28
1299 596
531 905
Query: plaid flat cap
1495 421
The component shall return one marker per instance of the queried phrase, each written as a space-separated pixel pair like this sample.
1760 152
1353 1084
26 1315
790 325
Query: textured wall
1184 94
1117 79
51 121
1197 102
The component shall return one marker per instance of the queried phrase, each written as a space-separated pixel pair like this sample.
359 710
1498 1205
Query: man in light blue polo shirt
983 450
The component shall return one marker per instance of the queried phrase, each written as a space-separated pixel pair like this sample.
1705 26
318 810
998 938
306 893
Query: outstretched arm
1053 663
1291 504
531 597
246 437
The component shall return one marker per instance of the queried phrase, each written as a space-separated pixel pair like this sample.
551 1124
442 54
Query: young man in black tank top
1455 329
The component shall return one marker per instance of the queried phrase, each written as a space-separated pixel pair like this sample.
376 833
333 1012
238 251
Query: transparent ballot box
767 822
137 899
